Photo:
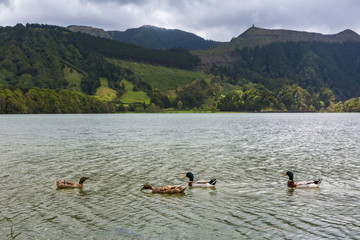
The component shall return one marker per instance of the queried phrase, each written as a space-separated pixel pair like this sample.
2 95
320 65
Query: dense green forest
38 100
312 65
49 69
300 75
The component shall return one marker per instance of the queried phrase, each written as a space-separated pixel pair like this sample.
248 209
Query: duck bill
184 176
284 174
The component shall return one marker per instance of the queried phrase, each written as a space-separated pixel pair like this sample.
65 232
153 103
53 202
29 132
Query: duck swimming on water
303 184
199 183
70 184
165 189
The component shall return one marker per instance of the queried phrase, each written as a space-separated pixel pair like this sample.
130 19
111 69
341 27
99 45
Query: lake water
246 153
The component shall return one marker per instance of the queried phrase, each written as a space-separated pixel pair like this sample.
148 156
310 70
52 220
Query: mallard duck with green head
199 183
303 184
170 189
70 184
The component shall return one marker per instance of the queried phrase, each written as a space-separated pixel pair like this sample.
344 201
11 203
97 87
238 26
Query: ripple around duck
246 153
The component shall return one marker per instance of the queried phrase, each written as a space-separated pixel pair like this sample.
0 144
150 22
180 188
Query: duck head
82 180
190 176
290 174
147 186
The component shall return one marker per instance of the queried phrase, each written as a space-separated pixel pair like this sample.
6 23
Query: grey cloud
211 19
4 2
119 2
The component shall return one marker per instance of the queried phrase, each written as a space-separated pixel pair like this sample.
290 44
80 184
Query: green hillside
311 65
49 69
36 55
226 54
278 58
162 78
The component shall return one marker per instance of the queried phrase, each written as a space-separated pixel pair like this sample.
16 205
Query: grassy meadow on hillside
132 96
160 77
104 93
73 78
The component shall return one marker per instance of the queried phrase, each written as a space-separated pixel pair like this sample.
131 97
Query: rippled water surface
246 153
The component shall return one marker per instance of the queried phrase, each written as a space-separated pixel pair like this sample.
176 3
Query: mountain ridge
96 32
149 36
293 35
154 37
254 36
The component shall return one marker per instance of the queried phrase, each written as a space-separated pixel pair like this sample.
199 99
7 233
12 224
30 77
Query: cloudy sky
218 20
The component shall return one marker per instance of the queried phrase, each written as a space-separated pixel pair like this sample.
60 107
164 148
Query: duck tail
318 181
212 182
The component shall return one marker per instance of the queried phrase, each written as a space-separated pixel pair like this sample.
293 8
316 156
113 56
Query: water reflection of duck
199 183
165 189
302 184
70 184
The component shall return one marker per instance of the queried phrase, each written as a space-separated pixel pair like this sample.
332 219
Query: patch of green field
104 93
128 85
227 88
104 83
133 97
73 78
160 77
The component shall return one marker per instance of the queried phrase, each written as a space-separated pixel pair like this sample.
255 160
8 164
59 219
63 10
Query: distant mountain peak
280 35
349 31
152 27
349 34
150 36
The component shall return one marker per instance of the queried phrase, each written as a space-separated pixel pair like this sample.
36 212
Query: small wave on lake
246 153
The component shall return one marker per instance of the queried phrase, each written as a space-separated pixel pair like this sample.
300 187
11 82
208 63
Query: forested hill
258 37
36 56
274 57
50 69
161 38
151 37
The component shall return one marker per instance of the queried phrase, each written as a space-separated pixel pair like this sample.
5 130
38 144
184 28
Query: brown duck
165 189
70 184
